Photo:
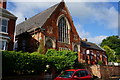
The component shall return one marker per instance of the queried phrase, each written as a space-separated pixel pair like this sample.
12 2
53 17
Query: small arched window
63 30
49 44
75 48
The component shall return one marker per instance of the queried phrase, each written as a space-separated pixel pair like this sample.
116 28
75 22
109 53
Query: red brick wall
110 71
11 30
52 21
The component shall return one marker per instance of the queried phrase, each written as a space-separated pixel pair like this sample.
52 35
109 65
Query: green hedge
14 63
22 63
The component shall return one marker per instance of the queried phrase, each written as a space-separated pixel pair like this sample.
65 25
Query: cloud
108 17
20 17
28 9
97 39
82 33
102 14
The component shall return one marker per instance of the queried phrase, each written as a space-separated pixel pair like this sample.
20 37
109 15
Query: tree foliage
62 59
110 53
100 62
113 43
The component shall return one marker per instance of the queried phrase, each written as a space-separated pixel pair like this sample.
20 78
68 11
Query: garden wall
105 72
27 77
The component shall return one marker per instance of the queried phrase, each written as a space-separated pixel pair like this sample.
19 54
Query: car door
83 75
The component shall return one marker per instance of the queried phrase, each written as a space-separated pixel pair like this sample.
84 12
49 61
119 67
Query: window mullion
63 31
59 29
66 33
4 46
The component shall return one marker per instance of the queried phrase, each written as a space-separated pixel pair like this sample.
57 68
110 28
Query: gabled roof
36 21
91 45
6 13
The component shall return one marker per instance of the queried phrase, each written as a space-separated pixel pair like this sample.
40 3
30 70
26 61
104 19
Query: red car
75 74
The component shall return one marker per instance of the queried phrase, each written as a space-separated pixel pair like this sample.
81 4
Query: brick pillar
95 58
100 57
82 57
79 56
106 61
88 59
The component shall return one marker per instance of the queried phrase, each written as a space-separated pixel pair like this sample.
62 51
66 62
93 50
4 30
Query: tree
61 59
113 42
110 53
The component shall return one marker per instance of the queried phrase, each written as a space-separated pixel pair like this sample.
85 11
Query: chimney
62 1
3 4
25 19
84 39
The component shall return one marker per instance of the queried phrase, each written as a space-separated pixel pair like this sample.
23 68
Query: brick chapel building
7 27
54 27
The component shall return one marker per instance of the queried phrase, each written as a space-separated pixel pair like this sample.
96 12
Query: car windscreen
66 74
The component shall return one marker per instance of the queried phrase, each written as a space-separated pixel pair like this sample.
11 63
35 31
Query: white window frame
6 25
87 51
5 44
62 48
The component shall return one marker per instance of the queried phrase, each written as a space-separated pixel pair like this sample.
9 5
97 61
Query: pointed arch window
75 48
49 44
63 30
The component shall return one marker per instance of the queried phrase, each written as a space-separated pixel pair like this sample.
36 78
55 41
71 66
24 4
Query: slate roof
7 14
36 21
91 45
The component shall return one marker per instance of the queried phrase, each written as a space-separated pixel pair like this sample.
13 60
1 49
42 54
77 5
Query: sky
94 19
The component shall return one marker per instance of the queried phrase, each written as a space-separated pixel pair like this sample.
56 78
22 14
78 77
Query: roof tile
35 21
